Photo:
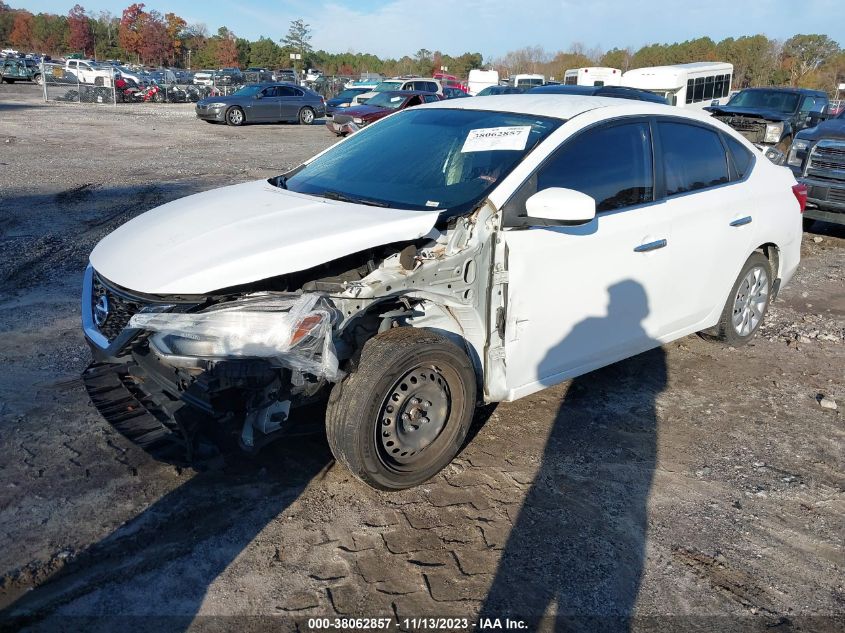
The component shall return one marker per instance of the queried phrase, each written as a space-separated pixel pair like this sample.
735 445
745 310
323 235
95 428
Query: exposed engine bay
200 371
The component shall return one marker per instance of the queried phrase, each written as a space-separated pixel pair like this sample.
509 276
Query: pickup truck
817 158
90 72
771 117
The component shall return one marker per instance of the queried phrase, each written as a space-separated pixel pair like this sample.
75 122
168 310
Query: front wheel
404 413
38 79
747 303
235 116
306 116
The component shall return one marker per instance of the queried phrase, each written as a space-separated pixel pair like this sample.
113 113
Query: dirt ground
696 486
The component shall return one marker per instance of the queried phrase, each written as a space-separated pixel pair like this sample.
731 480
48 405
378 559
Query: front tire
404 413
747 303
306 116
235 116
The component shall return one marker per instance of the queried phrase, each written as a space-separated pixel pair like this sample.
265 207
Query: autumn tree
175 27
154 43
21 35
805 53
129 32
80 36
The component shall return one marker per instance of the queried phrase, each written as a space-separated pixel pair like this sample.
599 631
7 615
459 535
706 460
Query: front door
266 108
582 297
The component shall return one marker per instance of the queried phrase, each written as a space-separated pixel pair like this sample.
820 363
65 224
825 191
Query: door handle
651 246
742 221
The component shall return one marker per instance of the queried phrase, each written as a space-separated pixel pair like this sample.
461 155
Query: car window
415 100
613 165
430 98
286 91
741 156
272 91
813 103
693 157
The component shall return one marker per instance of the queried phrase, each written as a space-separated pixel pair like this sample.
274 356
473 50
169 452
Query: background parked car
618 92
263 103
12 70
817 158
344 99
771 117
499 90
354 118
418 84
453 93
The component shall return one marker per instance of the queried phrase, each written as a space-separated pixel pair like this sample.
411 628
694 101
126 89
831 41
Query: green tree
265 53
298 37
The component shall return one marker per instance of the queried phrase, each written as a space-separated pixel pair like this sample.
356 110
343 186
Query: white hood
244 233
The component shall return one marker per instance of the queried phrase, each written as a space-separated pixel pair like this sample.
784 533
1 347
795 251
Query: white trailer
593 76
480 79
526 81
694 85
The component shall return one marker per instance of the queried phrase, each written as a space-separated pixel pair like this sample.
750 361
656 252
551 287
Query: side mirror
561 206
715 102
258 95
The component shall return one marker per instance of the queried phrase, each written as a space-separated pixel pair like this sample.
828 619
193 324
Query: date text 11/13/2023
416 624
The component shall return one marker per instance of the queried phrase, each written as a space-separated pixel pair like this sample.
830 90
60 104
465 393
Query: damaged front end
187 376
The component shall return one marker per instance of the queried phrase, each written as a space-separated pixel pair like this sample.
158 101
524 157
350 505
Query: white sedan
468 251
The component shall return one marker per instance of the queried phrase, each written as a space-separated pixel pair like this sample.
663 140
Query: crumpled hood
241 234
769 115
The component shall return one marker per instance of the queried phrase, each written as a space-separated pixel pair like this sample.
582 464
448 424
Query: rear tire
306 116
404 413
747 302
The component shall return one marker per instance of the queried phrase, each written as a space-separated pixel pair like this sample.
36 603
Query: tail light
800 191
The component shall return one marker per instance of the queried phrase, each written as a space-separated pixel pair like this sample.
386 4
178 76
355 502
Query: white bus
593 76
526 81
694 85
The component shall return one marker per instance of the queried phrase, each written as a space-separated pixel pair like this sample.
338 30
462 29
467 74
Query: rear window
693 157
741 157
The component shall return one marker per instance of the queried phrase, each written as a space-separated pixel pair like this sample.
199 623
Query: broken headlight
289 331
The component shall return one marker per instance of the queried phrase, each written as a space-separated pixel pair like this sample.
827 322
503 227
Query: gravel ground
695 486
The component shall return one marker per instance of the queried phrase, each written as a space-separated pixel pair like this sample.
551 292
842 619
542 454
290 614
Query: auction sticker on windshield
512 137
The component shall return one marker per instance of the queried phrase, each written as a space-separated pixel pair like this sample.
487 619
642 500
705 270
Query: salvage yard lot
691 480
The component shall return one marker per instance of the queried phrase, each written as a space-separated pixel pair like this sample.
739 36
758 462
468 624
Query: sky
493 27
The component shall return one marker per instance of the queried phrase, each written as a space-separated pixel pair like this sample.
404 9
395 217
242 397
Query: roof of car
808 91
562 106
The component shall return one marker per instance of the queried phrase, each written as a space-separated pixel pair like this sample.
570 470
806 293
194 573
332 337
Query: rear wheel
235 116
747 303
404 413
306 116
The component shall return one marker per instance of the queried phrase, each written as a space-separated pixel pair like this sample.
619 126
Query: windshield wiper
342 197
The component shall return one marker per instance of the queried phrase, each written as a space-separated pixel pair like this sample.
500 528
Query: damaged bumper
171 375
343 128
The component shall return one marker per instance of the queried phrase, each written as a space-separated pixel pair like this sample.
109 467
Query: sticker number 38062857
512 137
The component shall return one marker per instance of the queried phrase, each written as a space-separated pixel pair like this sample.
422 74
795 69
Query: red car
351 120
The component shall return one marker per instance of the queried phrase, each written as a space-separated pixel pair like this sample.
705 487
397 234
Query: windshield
785 102
425 159
349 94
387 100
384 86
247 91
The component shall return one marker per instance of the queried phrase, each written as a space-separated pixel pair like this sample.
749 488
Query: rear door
292 99
713 213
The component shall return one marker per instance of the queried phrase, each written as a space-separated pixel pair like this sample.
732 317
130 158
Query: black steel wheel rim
413 416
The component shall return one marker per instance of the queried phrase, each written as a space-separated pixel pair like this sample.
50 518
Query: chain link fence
105 84
79 81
